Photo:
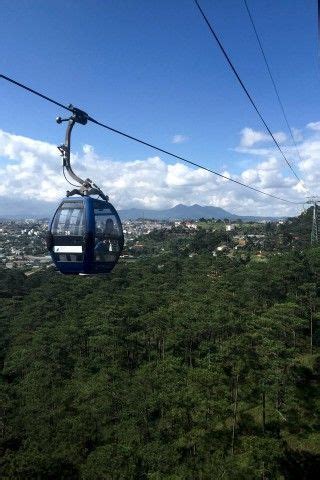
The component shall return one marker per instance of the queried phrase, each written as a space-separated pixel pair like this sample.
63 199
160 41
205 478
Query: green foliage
12 282
171 368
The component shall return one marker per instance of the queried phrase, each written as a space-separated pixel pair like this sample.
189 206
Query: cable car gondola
85 234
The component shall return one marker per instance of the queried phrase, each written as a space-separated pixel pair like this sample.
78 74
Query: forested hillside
171 368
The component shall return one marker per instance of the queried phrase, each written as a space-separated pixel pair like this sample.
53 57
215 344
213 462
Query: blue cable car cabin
85 236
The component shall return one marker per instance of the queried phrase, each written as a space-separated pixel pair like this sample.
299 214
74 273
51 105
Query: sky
150 68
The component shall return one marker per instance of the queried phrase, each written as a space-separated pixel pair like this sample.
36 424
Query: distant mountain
179 212
20 208
185 212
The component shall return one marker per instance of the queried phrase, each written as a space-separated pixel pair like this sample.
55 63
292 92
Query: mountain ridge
178 212
186 212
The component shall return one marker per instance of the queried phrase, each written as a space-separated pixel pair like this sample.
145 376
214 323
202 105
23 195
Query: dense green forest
171 368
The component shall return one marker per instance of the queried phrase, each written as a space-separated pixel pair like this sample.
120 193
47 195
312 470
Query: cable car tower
315 230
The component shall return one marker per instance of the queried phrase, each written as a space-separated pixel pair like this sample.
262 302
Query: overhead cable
18 84
138 140
272 80
245 89
188 161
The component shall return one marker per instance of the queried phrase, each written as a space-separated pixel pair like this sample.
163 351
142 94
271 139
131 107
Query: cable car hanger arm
88 187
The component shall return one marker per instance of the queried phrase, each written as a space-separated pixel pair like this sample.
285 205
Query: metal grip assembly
86 187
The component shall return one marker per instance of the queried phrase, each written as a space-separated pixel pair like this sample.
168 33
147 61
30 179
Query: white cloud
87 149
314 126
300 187
281 137
297 134
178 138
250 137
31 178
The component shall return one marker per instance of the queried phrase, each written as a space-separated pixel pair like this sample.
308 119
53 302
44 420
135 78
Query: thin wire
34 92
272 79
187 161
64 174
245 89
138 140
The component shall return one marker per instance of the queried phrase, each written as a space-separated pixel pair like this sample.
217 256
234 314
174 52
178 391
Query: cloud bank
31 179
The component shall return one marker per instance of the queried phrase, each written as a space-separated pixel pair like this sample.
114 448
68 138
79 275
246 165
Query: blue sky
151 69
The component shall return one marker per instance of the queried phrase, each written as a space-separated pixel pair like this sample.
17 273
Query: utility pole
315 230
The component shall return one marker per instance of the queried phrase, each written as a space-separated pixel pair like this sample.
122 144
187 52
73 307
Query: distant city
22 242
